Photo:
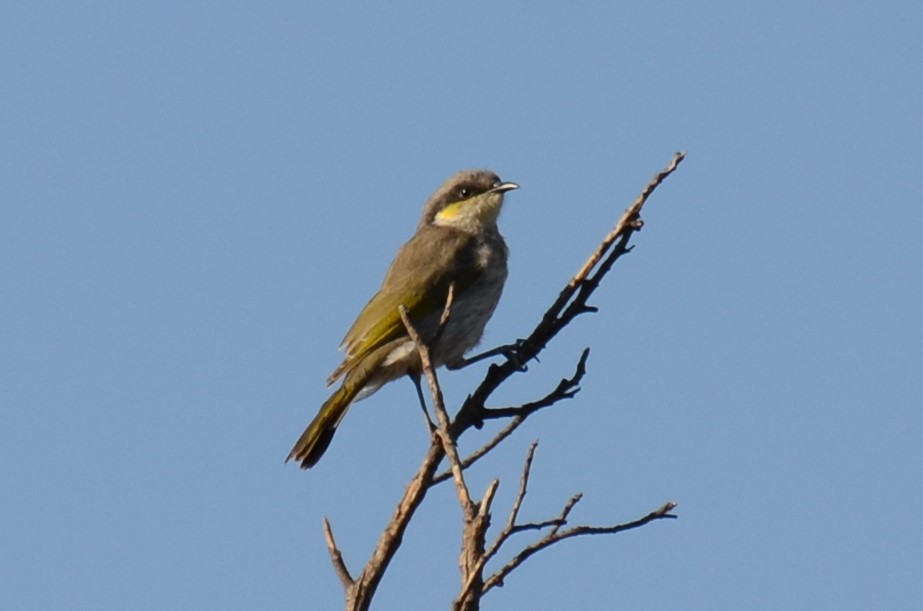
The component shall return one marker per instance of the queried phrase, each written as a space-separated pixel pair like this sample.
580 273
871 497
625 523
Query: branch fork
476 515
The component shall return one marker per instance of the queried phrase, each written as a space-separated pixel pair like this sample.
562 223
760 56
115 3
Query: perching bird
456 244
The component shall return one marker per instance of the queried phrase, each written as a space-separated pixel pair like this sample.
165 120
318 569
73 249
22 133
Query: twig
537 525
523 485
444 318
565 389
568 507
510 527
630 217
437 334
555 535
337 558
490 445
507 530
360 594
448 443
484 508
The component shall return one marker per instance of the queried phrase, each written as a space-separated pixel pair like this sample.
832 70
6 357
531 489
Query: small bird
457 244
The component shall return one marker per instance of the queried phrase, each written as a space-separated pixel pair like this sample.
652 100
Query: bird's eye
464 193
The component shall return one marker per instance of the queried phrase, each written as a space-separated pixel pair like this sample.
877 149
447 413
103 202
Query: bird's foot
510 351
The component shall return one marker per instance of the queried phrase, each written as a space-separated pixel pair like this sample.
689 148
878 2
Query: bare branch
359 597
555 536
523 484
507 530
337 558
476 575
537 525
490 445
510 527
448 442
446 312
568 507
629 218
361 591
484 509
566 389
571 302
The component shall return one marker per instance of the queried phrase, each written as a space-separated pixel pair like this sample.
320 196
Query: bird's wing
418 279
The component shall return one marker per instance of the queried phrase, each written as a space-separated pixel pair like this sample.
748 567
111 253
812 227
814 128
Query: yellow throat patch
468 212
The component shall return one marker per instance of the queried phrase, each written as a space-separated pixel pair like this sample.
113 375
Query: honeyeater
456 244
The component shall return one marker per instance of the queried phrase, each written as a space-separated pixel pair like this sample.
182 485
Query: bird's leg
415 378
510 351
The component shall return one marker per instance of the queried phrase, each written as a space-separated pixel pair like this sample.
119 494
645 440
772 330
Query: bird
457 248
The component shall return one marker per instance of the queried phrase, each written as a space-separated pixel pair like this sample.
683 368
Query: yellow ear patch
450 212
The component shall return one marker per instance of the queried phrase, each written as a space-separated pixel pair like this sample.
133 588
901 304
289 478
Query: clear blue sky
198 197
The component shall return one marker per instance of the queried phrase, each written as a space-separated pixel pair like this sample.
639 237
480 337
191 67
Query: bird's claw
511 352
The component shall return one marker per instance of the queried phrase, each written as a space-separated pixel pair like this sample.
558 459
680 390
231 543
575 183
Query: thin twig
337 558
442 416
484 509
510 527
444 318
523 484
437 334
490 445
566 389
568 507
536 525
630 217
507 530
554 536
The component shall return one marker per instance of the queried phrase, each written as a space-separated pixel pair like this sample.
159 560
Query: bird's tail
314 441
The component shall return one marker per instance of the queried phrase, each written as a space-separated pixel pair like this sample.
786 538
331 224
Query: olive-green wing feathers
418 279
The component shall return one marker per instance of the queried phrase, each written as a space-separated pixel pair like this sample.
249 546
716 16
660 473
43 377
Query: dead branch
475 518
490 445
570 303
336 557
448 442
359 595
567 388
556 536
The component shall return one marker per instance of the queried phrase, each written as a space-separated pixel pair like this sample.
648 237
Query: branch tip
336 557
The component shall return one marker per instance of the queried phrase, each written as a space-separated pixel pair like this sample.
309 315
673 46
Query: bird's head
470 201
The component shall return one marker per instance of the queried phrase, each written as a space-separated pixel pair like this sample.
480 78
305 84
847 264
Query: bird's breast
473 308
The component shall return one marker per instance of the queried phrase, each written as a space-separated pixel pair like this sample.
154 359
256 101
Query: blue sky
198 197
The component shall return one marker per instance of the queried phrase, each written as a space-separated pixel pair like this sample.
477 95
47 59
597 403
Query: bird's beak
504 187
